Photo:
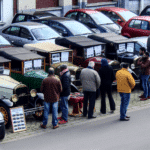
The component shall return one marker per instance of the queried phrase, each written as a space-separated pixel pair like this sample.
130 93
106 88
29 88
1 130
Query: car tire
5 111
39 114
2 133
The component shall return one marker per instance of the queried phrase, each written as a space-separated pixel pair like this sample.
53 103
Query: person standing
142 51
107 77
66 82
144 62
51 88
90 82
125 83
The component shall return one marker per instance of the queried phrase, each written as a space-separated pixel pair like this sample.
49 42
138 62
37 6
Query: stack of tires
2 126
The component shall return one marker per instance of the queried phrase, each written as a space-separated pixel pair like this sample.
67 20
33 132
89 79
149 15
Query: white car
2 126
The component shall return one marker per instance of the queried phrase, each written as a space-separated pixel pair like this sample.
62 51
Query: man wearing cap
90 82
107 77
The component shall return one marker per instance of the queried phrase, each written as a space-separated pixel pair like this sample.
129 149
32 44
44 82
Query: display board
18 119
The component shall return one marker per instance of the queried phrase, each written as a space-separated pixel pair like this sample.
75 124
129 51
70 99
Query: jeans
145 85
91 96
54 113
125 99
107 90
64 107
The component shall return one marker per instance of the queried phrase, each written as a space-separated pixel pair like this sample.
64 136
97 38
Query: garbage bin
2 126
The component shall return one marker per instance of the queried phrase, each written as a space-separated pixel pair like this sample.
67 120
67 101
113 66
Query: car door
25 36
12 35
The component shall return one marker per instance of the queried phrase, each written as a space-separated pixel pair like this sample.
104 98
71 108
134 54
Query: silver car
22 33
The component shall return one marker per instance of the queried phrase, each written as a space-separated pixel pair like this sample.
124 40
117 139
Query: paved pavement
33 126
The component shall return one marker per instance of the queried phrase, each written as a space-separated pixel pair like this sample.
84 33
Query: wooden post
22 67
72 56
10 68
44 64
49 59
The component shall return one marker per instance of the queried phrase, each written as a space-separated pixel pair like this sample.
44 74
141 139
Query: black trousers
91 96
106 89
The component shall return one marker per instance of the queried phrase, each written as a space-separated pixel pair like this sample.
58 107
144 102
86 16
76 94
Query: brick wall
96 1
14 7
46 3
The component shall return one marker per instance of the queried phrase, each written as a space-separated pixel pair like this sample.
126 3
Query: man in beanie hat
107 77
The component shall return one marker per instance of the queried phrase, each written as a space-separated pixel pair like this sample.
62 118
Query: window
14 31
72 15
84 18
148 12
29 18
20 18
25 33
137 24
131 23
144 25
6 31
44 22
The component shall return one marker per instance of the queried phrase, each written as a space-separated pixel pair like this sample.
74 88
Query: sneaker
59 118
148 97
43 126
62 122
143 99
57 126
141 96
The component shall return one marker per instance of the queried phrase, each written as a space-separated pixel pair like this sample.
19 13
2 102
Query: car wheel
5 110
39 114
2 133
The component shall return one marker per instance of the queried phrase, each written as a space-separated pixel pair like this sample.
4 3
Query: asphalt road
96 134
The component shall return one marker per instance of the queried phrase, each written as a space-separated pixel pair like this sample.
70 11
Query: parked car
2 126
56 56
95 20
21 17
14 93
85 50
66 26
116 14
29 32
137 26
120 48
145 11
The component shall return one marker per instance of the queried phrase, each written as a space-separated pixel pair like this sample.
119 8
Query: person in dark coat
51 88
66 82
107 76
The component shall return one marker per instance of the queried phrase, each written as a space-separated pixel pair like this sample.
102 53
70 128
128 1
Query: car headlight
73 78
132 66
14 98
1 116
33 93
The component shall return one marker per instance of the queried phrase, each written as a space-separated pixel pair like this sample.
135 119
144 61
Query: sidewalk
33 126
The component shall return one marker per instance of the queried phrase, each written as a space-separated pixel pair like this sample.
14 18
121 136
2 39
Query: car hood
50 40
36 74
112 28
8 82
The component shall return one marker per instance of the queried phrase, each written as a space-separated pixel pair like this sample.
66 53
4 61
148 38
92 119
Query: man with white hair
90 82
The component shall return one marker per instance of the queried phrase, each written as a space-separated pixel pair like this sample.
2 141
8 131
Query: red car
137 26
116 14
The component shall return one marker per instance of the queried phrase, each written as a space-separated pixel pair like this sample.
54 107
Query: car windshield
3 41
45 33
76 28
100 18
127 14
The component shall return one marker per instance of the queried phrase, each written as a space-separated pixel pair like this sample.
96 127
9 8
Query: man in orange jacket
125 83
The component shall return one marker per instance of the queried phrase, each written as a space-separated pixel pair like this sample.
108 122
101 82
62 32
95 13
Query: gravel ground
33 126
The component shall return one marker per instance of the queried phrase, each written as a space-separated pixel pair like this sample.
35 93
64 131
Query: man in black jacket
107 77
65 81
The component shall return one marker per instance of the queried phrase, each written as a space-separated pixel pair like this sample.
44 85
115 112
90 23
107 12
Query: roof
3 60
88 11
146 18
115 9
19 53
78 41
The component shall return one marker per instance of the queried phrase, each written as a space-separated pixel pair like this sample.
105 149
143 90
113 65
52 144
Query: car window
20 18
44 22
84 18
137 48
144 25
6 31
72 15
148 12
14 31
131 23
25 33
29 18
113 16
137 24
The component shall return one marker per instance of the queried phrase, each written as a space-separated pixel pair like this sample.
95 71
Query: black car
65 26
146 11
2 126
21 17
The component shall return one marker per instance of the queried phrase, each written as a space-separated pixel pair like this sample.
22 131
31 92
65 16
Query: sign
55 58
6 71
90 52
27 65
18 119
130 47
64 56
37 64
98 50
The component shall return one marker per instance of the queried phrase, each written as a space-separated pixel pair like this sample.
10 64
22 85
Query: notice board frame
18 119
